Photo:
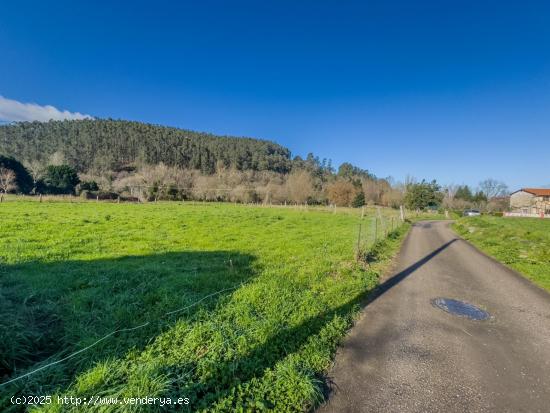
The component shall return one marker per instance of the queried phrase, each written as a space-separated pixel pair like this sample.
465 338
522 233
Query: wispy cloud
12 111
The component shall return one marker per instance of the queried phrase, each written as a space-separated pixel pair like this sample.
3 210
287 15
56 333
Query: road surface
406 355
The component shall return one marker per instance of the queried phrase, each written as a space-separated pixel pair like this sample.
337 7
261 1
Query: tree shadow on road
397 278
206 393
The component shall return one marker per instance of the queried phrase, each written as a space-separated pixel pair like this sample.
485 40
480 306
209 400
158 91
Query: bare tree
57 158
450 201
492 188
300 186
36 169
392 198
371 190
342 193
156 182
450 191
7 180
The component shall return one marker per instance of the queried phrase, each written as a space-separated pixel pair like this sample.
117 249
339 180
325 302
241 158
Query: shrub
59 179
89 186
107 195
359 200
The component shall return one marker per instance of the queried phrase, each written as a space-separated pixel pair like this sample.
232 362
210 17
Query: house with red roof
531 201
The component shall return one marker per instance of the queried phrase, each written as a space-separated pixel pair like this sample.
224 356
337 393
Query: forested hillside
106 145
107 159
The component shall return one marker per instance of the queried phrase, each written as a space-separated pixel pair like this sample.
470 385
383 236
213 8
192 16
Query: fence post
375 229
402 212
359 242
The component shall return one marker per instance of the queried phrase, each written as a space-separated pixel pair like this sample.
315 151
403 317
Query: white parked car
472 213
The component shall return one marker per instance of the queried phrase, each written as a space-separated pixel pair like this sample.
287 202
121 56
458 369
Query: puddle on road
460 308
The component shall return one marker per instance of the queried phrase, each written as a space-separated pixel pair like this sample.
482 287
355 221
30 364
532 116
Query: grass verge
520 243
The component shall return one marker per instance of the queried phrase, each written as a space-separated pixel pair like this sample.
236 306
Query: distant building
531 201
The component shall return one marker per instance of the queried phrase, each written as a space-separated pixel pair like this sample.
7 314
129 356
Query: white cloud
12 111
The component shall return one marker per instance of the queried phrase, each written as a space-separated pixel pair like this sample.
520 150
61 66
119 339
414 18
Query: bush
102 196
359 200
59 179
129 199
107 195
89 186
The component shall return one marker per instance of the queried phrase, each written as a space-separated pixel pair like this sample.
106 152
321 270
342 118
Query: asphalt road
406 355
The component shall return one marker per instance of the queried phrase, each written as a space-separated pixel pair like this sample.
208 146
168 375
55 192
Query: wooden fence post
359 242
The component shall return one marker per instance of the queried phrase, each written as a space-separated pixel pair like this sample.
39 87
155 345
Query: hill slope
99 144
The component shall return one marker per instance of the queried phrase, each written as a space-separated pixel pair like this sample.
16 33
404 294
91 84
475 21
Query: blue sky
457 91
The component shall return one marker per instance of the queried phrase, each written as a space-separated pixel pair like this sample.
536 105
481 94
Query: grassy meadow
521 243
236 307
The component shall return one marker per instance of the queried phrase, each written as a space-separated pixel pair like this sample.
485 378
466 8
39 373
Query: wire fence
77 199
120 330
375 224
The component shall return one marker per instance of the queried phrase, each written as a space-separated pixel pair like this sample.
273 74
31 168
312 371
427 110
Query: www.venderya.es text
99 401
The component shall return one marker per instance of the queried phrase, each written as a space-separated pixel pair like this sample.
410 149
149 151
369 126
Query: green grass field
521 243
277 290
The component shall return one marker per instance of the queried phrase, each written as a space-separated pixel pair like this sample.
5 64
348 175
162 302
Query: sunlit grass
520 243
72 272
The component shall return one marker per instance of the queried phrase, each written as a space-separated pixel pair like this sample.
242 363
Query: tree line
54 179
108 145
136 161
108 158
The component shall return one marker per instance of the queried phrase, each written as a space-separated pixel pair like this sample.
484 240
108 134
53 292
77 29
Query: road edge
518 275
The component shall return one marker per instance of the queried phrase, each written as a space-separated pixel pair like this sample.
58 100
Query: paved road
405 355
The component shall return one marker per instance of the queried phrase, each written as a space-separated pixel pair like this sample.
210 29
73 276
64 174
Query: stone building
532 201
